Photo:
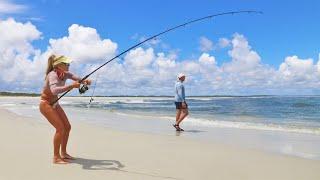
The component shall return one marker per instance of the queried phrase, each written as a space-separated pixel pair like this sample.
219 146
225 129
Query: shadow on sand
93 164
178 133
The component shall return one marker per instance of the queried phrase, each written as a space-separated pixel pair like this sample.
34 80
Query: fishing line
94 88
85 87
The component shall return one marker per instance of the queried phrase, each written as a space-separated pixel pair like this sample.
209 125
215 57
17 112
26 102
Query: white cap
180 75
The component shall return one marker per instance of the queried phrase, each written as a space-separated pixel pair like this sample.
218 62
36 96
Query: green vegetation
18 94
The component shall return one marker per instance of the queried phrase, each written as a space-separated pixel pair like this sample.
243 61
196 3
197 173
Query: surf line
83 88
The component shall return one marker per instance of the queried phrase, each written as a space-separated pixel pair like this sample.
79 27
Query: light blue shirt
179 92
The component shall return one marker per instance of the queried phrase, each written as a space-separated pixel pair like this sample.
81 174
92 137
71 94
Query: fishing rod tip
254 11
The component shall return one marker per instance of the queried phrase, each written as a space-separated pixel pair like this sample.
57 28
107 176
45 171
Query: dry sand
26 153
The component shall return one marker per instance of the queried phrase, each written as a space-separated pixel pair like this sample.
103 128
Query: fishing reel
83 88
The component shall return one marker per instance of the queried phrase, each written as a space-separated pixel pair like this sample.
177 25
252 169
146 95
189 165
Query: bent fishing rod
84 87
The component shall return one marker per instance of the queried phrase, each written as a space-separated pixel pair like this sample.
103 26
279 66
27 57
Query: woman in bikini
56 75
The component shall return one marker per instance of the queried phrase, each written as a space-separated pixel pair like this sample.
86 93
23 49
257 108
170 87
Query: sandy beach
109 154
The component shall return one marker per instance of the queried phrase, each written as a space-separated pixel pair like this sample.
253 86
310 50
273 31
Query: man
180 102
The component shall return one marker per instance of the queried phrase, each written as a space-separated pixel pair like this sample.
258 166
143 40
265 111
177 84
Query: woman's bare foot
67 156
59 160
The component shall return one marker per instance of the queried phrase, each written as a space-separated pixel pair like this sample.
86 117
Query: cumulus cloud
84 45
17 35
139 58
299 71
223 42
23 65
16 53
143 71
243 59
165 67
205 44
206 59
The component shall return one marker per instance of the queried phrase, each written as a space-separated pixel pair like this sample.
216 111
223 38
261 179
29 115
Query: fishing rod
84 87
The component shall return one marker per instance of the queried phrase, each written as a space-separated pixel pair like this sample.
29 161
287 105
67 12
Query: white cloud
165 68
24 65
16 50
243 58
205 44
152 42
318 64
165 62
17 35
223 42
142 71
139 58
7 7
206 59
84 45
298 70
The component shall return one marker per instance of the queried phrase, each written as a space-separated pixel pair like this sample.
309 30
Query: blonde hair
51 59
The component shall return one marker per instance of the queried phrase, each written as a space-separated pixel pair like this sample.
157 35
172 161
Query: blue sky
283 42
286 28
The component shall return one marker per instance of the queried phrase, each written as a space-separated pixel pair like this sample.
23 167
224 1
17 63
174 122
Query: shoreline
270 139
107 153
17 94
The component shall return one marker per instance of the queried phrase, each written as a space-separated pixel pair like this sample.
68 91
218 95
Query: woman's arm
55 89
72 76
76 78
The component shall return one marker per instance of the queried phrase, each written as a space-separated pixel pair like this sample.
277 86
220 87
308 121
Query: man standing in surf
180 102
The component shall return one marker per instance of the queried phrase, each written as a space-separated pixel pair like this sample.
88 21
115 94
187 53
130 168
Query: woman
56 75
180 102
